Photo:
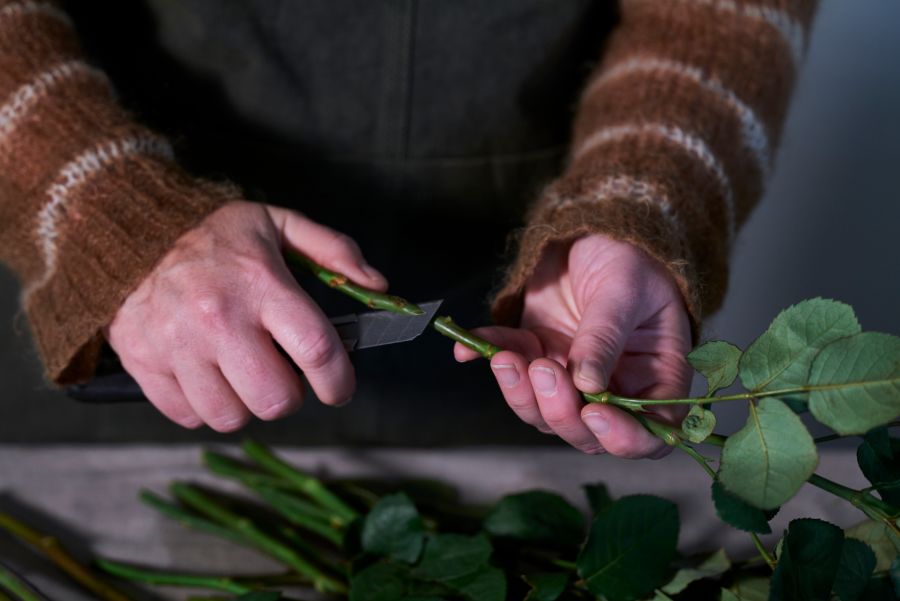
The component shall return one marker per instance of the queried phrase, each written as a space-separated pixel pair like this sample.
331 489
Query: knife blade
112 384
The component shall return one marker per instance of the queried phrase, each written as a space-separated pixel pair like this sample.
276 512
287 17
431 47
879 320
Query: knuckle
210 308
273 411
316 350
277 405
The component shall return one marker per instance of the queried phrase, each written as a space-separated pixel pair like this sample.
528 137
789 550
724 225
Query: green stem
564 564
693 454
225 466
312 487
863 500
259 483
164 578
370 298
199 501
51 548
189 519
717 440
297 512
447 327
16 585
698 458
767 557
272 580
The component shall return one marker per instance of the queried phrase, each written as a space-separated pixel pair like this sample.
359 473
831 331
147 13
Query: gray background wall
828 226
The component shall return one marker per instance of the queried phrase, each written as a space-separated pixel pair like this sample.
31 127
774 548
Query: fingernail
590 373
371 271
544 429
344 402
544 380
597 424
507 374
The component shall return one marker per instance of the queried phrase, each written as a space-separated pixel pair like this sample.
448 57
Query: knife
112 384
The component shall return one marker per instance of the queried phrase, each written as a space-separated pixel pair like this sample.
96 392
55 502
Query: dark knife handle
112 384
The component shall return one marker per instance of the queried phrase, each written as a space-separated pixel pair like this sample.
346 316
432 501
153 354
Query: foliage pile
347 541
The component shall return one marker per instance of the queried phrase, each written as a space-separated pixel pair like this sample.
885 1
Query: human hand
598 314
198 333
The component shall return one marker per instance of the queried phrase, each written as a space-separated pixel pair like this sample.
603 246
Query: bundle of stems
306 536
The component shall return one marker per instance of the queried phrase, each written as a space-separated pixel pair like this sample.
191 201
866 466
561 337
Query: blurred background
828 226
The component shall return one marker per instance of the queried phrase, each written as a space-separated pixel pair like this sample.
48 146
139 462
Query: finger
260 375
560 404
299 326
327 247
211 397
511 371
600 339
517 340
619 433
165 394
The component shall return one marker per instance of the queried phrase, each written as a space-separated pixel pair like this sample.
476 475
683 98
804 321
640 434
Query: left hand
598 314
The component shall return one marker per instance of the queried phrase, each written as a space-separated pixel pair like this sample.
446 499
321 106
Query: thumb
327 247
605 326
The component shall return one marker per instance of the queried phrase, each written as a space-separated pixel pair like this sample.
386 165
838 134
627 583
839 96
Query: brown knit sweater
673 139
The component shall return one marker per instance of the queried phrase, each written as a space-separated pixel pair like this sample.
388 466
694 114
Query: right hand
198 334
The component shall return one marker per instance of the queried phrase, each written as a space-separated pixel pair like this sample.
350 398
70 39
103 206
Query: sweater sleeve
89 200
673 139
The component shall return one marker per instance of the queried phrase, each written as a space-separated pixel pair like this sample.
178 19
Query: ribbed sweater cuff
137 210
627 212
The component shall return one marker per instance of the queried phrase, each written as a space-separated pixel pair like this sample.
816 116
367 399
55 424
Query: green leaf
736 512
781 357
715 564
809 560
718 361
856 383
536 516
598 497
855 568
875 534
767 461
382 581
879 459
752 588
699 423
727 595
546 586
394 529
487 583
449 556
630 547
